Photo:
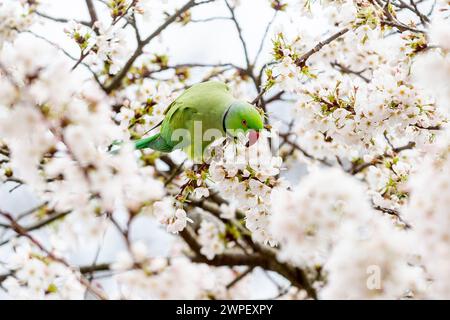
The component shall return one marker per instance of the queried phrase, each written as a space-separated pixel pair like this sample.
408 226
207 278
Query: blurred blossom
356 121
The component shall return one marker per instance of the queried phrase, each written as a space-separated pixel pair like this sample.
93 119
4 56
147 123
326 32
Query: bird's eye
244 123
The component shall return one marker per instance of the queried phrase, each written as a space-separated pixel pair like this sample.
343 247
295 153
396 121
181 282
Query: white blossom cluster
15 16
359 126
246 178
175 219
311 218
144 277
58 141
431 70
345 117
429 186
106 47
146 109
366 113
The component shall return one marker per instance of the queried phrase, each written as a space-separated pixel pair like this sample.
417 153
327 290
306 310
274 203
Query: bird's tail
155 142
145 142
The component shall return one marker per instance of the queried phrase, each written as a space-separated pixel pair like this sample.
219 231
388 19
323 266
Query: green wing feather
180 118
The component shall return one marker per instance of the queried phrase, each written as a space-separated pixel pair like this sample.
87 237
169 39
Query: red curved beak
253 137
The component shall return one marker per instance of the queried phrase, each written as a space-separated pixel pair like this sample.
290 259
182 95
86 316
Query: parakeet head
243 117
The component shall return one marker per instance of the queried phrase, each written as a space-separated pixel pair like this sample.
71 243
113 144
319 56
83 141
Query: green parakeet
201 114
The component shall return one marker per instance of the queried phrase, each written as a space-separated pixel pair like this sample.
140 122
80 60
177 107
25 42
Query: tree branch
67 54
302 60
117 79
266 32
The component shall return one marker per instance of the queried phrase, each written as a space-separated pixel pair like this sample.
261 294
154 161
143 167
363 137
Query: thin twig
401 27
395 213
239 30
303 151
266 32
360 167
60 20
302 59
340 67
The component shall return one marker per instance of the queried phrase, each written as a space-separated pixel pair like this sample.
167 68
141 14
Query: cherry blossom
344 196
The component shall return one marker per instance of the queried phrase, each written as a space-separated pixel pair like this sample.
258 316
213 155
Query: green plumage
203 106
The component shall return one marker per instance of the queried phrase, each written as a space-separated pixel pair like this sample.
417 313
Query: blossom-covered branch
344 194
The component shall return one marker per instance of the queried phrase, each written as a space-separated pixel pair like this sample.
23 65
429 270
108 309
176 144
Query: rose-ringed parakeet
199 115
